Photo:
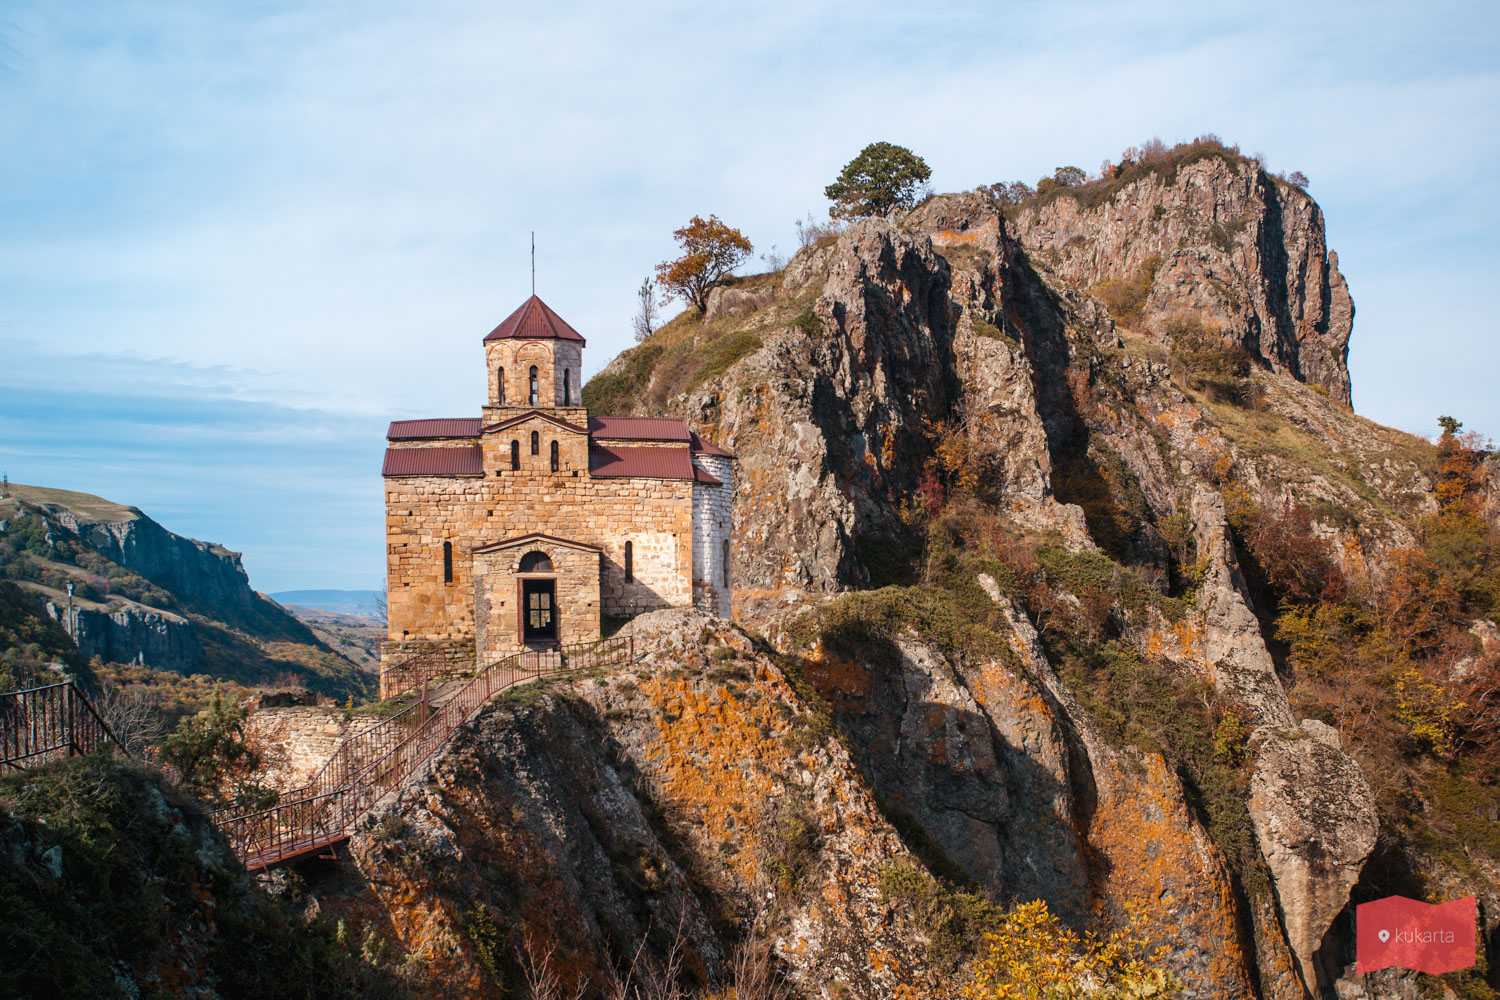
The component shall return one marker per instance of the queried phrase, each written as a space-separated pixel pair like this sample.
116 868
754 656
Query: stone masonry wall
551 358
297 740
422 512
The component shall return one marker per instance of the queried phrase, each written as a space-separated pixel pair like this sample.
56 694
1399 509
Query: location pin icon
1384 936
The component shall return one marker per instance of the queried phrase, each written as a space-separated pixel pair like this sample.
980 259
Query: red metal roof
708 447
410 430
700 476
639 428
534 321
644 463
433 462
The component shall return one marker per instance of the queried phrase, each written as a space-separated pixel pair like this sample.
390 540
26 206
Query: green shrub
102 866
955 923
807 321
1206 362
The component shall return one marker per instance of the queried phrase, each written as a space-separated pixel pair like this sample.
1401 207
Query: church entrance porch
534 591
539 614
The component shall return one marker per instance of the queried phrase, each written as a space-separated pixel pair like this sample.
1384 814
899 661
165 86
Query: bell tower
535 362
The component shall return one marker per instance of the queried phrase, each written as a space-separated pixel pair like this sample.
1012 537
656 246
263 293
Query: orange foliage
711 250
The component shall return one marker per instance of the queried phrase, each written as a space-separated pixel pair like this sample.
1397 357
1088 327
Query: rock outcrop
143 595
1232 648
1315 820
205 578
694 793
132 633
1222 240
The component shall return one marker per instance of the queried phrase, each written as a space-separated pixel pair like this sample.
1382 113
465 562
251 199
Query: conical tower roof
534 320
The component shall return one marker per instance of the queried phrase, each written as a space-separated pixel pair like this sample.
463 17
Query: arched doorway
538 600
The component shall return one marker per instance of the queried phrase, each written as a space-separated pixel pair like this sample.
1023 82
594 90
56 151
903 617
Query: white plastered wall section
567 373
713 525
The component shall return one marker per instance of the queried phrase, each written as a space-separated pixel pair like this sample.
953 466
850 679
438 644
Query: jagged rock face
201 578
1236 247
196 571
975 756
831 421
1233 649
996 763
131 633
1315 820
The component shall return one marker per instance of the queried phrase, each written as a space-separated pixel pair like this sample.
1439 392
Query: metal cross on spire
533 262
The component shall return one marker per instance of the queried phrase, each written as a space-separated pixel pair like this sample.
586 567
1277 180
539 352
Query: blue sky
235 239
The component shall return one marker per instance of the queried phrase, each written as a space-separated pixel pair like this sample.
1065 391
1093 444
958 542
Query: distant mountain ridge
370 603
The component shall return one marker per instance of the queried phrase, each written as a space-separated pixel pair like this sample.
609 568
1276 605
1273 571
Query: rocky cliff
1130 398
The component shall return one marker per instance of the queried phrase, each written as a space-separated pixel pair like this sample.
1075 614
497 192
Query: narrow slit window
535 393
724 561
447 562
554 456
500 385
515 455
536 443
567 389
629 563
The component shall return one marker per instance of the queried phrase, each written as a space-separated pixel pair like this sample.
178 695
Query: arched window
629 562
554 456
536 562
447 562
535 394
536 443
567 389
725 560
515 455
500 383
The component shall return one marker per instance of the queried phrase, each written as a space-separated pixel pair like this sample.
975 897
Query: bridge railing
44 723
373 762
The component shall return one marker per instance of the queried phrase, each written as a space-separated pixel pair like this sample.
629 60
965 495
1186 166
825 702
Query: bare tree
755 972
649 978
133 716
646 315
774 260
542 983
810 230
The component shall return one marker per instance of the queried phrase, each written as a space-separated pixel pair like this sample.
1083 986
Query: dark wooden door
539 607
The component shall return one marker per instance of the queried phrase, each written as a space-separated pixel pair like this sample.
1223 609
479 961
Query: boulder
1315 820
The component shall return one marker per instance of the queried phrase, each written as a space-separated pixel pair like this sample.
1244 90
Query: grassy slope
685 353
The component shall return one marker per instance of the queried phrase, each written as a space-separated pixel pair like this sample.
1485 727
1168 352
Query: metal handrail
374 761
44 721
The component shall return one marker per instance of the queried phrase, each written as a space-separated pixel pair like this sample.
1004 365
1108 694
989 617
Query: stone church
522 526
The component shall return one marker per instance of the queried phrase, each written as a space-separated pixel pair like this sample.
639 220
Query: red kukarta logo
1428 937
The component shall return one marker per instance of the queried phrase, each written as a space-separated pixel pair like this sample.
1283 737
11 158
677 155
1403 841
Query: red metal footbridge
380 759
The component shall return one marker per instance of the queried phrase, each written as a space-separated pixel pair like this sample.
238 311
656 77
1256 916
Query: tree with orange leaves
711 251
